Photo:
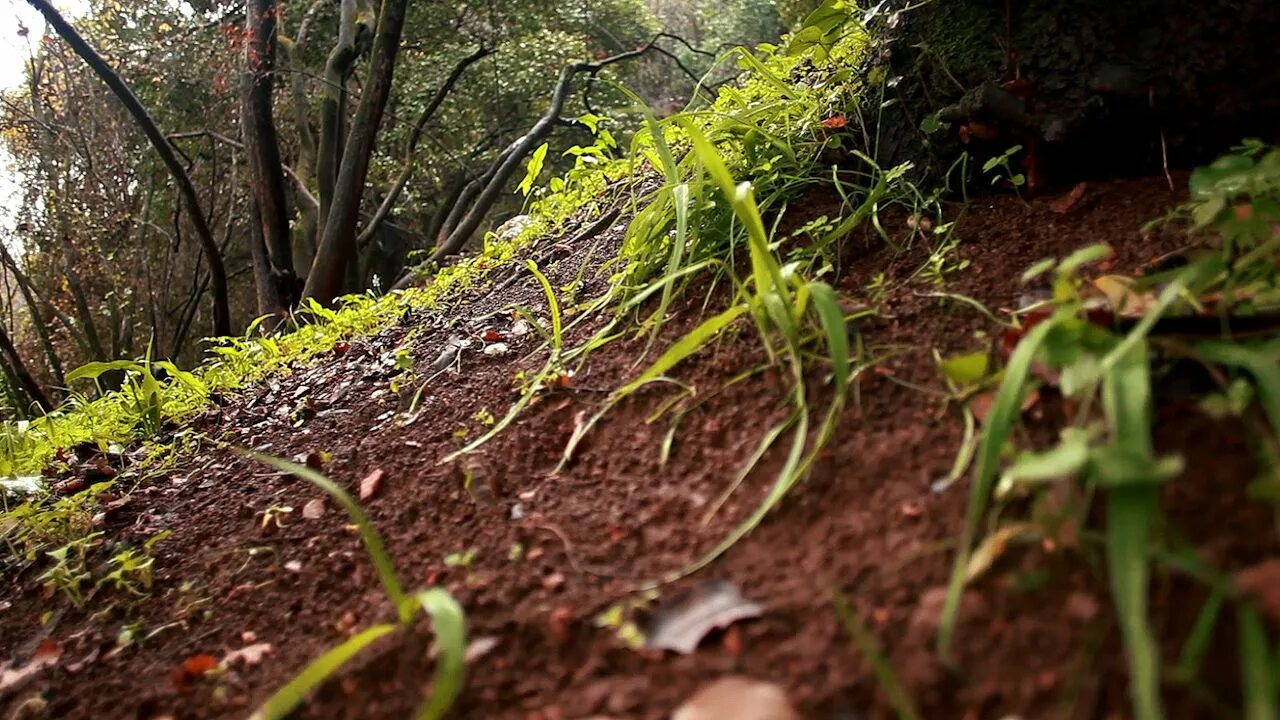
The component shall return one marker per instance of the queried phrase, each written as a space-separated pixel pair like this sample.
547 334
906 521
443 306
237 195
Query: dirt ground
1037 638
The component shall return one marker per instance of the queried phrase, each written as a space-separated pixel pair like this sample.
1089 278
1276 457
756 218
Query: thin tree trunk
411 149
25 381
37 319
221 309
266 174
338 239
337 70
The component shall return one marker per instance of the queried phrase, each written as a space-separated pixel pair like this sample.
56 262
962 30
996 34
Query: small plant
276 516
446 615
70 571
1003 163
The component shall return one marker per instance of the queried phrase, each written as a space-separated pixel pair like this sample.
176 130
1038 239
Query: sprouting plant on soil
130 569
276 516
70 569
446 615
460 559
1004 164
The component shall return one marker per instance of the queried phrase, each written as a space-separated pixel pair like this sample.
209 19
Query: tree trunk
26 383
338 239
266 174
37 319
221 309
352 24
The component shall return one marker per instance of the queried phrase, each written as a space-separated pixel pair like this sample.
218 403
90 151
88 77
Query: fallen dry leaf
1262 583
680 626
191 669
247 655
370 484
1123 297
46 656
479 647
313 509
835 122
737 698
1063 205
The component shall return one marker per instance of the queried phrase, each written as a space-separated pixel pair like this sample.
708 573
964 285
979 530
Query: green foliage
1108 449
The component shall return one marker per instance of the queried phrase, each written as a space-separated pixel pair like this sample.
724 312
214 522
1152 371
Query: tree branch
218 275
411 149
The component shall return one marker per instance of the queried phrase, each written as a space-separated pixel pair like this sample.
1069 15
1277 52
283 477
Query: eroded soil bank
535 557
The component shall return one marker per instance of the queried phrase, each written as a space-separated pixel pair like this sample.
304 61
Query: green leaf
966 370
286 699
832 319
95 370
1064 460
1004 411
449 625
683 348
533 169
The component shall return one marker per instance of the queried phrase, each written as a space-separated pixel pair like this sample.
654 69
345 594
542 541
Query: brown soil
1036 638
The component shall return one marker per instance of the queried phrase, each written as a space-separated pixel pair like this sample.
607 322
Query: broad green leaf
1064 460
966 370
449 625
533 169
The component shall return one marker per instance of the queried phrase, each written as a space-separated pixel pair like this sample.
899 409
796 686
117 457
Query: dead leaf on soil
1063 205
313 509
193 668
994 545
46 656
1123 297
370 484
479 647
1262 583
981 404
248 655
737 698
683 624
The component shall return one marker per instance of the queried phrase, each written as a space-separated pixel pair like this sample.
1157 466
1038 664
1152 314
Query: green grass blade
1005 410
767 274
1255 666
1260 363
283 701
449 625
680 196
870 649
832 319
1191 659
683 348
1131 511
372 541
785 480
1129 517
553 306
